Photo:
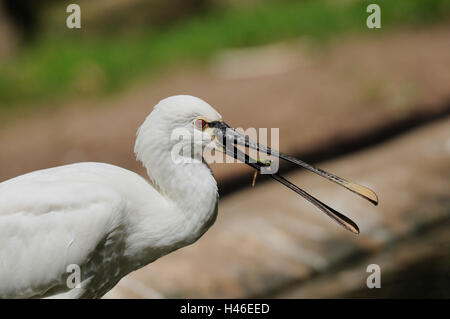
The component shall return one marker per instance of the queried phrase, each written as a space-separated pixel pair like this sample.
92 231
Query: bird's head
185 124
179 124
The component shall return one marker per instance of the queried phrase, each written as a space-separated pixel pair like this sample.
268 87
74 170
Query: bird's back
56 218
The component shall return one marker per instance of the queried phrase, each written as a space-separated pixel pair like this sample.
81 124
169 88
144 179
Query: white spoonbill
110 221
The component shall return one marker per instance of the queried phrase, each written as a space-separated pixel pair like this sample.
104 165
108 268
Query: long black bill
229 138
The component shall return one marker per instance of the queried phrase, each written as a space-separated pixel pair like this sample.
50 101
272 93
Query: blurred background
371 105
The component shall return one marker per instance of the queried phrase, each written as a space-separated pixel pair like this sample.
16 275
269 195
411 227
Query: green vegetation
77 64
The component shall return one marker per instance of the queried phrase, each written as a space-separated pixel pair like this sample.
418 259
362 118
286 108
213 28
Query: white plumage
108 220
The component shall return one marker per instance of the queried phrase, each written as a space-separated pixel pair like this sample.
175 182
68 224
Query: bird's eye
200 124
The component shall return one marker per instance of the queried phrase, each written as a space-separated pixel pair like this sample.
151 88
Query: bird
109 221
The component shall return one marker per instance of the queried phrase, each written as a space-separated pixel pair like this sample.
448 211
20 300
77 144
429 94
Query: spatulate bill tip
355 230
351 226
363 191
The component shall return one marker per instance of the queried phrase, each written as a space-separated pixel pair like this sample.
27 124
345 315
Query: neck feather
191 186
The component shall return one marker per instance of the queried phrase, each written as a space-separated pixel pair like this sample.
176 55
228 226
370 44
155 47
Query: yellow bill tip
363 191
354 230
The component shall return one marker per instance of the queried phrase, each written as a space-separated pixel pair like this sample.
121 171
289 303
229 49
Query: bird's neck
190 187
